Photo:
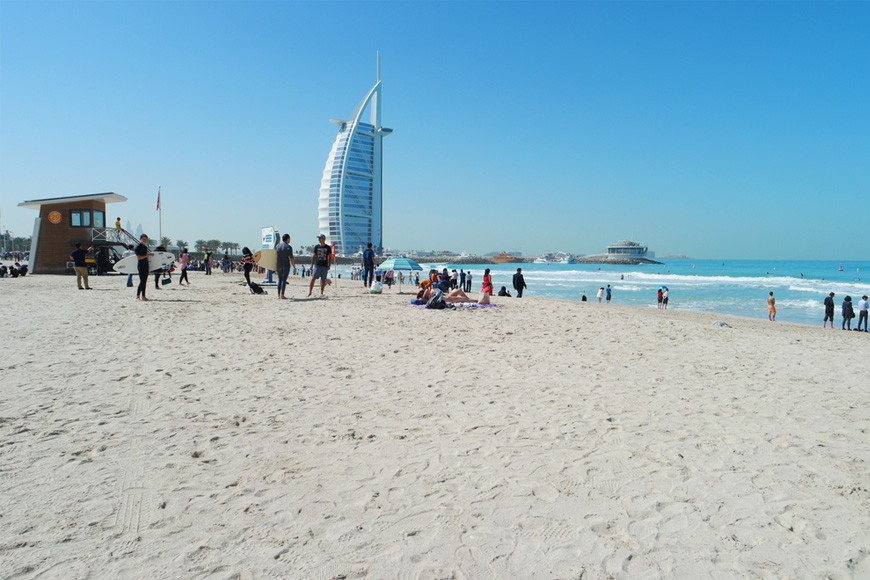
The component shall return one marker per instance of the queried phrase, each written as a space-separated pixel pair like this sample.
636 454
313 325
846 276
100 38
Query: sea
728 287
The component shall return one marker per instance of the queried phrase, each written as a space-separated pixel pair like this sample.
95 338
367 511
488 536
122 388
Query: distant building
350 206
627 249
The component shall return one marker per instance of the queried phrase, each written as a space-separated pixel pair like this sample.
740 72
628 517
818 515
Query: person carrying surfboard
320 260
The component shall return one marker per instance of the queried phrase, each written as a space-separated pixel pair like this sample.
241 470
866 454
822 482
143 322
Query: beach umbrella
400 264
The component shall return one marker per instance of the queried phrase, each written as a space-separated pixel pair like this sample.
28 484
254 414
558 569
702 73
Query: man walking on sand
771 308
519 282
285 260
320 261
81 267
829 310
368 263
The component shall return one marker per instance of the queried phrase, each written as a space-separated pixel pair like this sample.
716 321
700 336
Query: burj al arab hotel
350 206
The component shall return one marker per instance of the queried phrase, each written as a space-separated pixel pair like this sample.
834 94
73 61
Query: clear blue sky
714 129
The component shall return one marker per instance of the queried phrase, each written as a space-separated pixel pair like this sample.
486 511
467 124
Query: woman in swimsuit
455 296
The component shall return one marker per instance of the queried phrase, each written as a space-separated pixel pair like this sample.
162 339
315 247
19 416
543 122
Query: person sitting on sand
503 291
424 286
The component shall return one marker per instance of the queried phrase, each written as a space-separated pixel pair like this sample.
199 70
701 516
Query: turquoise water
733 287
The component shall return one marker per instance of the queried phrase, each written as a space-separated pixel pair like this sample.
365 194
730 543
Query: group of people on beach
847 310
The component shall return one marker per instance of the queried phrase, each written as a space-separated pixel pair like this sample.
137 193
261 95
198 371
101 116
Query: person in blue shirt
368 263
607 292
81 267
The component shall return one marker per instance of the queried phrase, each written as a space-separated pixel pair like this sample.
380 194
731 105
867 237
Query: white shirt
862 305
664 294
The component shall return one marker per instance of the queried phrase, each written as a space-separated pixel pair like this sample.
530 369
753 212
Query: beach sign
268 238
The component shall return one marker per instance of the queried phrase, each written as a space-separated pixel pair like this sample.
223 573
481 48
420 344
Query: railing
113 236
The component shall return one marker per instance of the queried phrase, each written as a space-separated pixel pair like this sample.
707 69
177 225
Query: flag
158 199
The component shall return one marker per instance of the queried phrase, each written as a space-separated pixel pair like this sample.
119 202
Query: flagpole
160 212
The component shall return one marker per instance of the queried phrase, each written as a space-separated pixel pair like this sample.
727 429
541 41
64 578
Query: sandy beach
213 434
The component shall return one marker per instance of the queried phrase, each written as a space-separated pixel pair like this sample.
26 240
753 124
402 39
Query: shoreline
759 314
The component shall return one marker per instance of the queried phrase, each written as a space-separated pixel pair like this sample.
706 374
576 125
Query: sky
736 130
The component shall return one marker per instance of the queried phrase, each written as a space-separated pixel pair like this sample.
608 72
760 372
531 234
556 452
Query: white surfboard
156 261
267 259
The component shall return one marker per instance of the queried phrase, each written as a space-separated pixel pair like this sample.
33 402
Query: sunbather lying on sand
454 296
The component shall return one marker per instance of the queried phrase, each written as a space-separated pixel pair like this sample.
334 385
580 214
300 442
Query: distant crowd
14 256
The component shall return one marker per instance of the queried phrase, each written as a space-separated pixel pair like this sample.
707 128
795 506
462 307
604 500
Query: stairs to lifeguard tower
113 236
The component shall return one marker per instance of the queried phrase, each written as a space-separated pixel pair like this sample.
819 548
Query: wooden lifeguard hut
64 221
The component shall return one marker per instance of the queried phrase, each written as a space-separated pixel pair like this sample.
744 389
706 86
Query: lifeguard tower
64 221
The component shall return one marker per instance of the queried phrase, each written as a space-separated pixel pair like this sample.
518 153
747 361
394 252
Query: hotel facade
350 206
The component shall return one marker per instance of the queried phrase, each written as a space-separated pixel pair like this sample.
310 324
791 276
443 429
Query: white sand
210 433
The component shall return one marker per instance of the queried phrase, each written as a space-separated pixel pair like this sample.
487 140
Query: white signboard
269 238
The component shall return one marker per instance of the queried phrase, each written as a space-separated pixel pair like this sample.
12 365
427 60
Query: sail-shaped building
350 208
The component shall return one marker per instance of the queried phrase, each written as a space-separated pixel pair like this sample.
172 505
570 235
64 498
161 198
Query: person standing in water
771 308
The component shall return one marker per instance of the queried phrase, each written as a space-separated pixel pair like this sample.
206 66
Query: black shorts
829 315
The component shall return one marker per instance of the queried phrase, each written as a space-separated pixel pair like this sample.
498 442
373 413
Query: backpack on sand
437 301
